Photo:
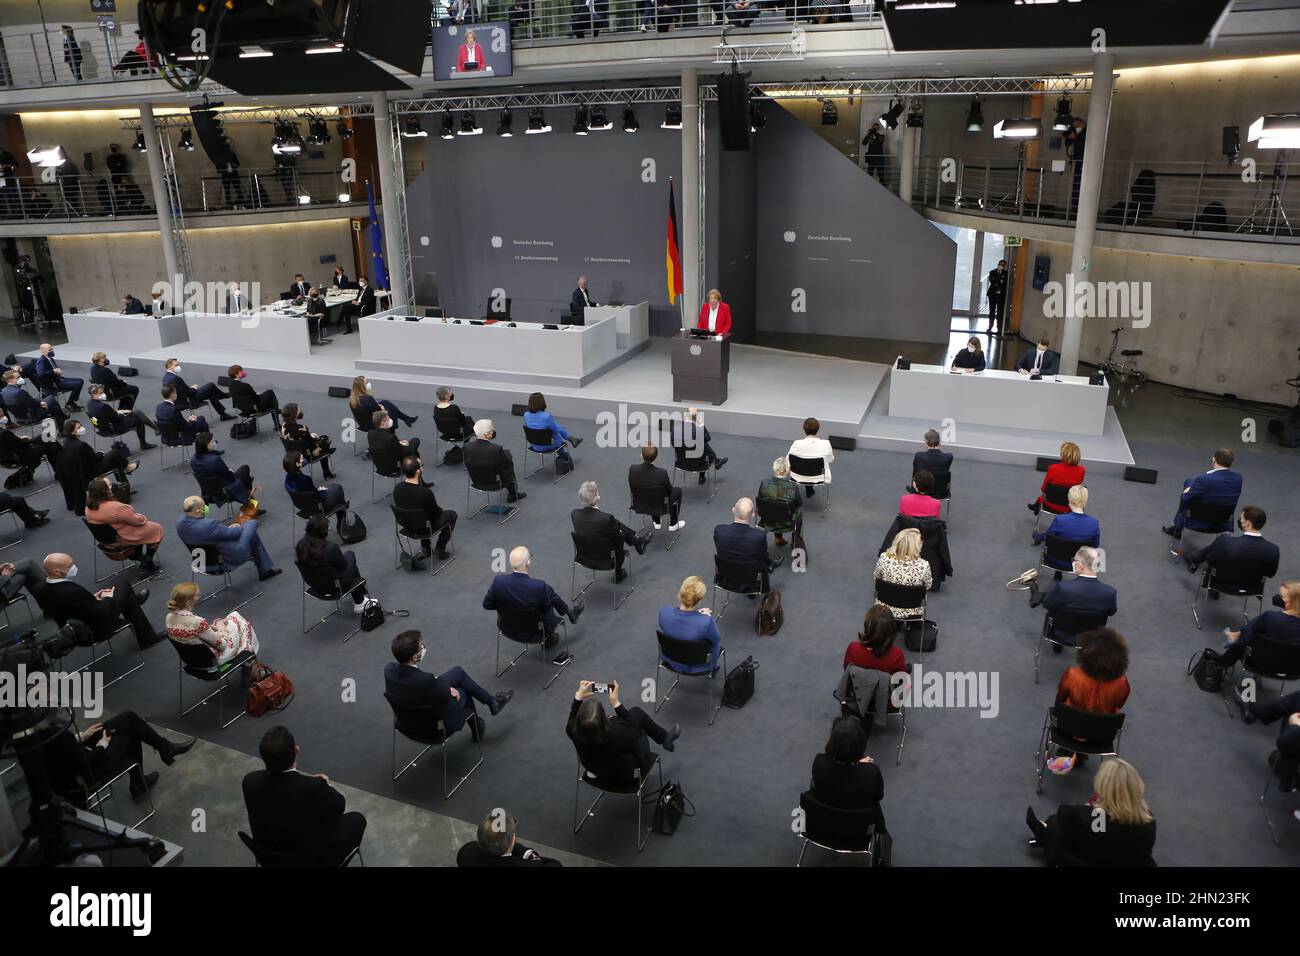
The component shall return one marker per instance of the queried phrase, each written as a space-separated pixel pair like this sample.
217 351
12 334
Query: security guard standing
997 293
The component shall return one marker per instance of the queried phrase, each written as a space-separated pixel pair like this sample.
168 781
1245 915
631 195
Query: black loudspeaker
1287 433
903 364
733 110
1145 475
1045 463
842 443
211 136
339 391
518 410
1231 141
1097 379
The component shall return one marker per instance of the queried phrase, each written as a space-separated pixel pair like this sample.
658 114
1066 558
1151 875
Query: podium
700 369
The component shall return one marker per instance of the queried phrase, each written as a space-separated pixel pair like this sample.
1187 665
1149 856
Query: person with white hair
599 526
519 591
781 487
692 438
1074 525
1083 594
483 458
741 541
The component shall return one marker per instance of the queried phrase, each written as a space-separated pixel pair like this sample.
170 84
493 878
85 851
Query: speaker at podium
700 363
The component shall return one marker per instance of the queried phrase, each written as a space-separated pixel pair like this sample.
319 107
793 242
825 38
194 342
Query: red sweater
891 662
1062 474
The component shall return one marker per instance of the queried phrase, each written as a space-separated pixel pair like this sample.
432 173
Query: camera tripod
1269 215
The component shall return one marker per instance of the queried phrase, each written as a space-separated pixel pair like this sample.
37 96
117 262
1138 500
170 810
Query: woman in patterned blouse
781 487
902 564
227 637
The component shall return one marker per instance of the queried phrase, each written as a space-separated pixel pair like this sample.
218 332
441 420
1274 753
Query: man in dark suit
386 449
340 280
26 450
1286 709
362 304
190 397
1082 595
299 288
411 493
741 541
650 484
54 381
131 305
488 460
452 693
1040 360
105 749
579 301
169 413
1244 560
607 745
101 373
519 591
1218 486
25 406
596 525
997 296
689 435
103 611
117 421
294 812
934 459
497 845
250 399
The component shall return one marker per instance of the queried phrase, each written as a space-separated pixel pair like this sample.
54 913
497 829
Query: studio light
344 130
1018 129
1064 118
326 48
287 141
304 200
345 197
186 141
830 115
504 127
253 52
47 156
672 117
448 130
139 145
599 120
891 115
537 121
318 133
1275 131
756 119
580 121
975 118
630 123
916 116
469 125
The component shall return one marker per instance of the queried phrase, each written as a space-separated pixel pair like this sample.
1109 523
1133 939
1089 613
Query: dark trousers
241 488
18 506
352 827
350 578
444 525
70 385
470 691
995 311
208 392
128 733
396 413
114 460
674 505
137 421
267 402
125 395
30 453
125 604
650 731
1288 737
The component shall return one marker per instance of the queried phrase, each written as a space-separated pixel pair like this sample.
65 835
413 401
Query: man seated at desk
1040 360
131 305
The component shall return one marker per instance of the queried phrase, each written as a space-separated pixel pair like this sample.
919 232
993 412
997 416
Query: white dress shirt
713 317
810 446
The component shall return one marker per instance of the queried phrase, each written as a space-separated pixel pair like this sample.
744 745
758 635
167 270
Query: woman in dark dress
843 776
315 551
971 357
1114 828
298 437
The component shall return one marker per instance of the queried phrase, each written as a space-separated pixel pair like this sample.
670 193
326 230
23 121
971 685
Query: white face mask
176 370
19 380
970 348
80 432
369 387
72 572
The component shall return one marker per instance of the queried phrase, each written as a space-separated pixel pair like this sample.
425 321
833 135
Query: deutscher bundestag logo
696 350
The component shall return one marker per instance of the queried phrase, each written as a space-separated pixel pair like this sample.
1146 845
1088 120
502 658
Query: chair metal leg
802 850
1196 599
722 665
1040 759
446 794
17 527
501 670
1263 806
660 701
413 762
95 659
902 735
1038 649
222 686
105 792
725 604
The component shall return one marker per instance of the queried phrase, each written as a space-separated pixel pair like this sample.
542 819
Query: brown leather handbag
268 691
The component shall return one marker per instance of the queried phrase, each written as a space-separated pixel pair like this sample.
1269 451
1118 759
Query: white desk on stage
265 330
1062 403
102 331
631 321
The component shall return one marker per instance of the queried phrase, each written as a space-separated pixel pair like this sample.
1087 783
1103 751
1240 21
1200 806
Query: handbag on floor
245 428
671 804
769 617
738 686
268 690
1206 668
352 529
923 638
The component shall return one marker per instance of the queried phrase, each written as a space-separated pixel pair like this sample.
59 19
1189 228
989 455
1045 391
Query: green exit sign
1013 241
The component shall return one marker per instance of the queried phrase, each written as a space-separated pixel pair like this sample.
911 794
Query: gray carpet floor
959 796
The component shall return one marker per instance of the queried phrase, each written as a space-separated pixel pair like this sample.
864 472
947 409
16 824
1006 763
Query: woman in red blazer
721 320
469 50
1067 472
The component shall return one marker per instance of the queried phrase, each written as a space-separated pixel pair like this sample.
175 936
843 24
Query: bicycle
1125 371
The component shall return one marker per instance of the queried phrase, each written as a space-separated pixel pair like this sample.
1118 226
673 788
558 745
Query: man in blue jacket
1244 559
518 591
235 543
169 413
1218 486
1082 595
21 403
48 371
741 541
452 694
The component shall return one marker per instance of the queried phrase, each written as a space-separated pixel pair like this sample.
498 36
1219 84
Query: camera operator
605 744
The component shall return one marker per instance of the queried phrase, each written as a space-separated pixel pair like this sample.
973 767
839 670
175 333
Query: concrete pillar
1085 225
162 202
907 163
390 185
692 275
977 274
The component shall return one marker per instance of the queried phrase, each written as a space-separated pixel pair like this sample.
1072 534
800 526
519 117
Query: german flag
673 257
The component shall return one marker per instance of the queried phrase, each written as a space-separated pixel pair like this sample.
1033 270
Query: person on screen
971 357
715 315
470 57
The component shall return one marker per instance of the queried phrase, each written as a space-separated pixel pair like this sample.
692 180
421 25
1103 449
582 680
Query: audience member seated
971 357
1067 472
917 503
452 693
1286 763
649 483
1114 828
690 622
26 451
1244 560
23 406
497 845
226 637
596 525
742 13
49 372
105 749
1281 626
1074 525
740 541
781 487
411 493
843 776
209 462
874 649
235 543
810 446
518 591
364 405
118 421
131 526
78 463
252 398
451 421
386 449
1083 594
538 417
298 437
482 455
103 612
101 373
191 397
934 459
1096 684
1219 486
903 565
188 425
690 434
294 812
1040 360
297 481
613 747
315 551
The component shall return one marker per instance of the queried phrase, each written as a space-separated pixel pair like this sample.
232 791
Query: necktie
1038 361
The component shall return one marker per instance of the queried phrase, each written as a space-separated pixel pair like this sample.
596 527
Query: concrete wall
97 270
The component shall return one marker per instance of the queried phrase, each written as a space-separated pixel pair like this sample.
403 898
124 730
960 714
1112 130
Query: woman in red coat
470 52
715 315
1067 472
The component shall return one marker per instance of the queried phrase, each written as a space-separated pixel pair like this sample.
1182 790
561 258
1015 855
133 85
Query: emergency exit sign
1013 241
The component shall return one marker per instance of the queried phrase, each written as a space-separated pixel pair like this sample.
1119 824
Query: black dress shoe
442 554
1172 531
703 479
75 407
139 790
516 496
36 522
641 544
169 755
145 446
1191 565
270 574
1034 507
575 611
151 641
620 575
575 442
142 595
227 417
718 463
669 744
809 491
499 702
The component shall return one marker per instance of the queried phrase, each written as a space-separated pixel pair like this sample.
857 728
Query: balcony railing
1208 200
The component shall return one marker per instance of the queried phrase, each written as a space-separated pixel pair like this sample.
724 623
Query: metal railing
1203 199
126 195
31 56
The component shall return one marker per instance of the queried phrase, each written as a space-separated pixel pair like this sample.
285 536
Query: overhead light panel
1064 116
830 115
469 125
345 197
1275 131
253 52
47 156
1018 129
304 200
326 48
975 118
891 115
504 127
672 117
537 122
630 123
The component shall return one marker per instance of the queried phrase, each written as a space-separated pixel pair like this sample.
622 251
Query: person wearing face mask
486 458
242 392
62 599
21 404
209 463
971 357
188 396
49 372
101 373
296 481
364 405
340 280
78 463
1040 360
315 313
1244 559
452 694
234 543
362 304
453 424
997 296
112 421
132 527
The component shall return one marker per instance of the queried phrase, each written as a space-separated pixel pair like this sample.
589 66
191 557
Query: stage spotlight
580 121
830 115
672 117
318 133
47 156
345 197
304 200
537 122
139 145
287 141
630 123
344 130
1018 129
975 118
469 125
756 119
504 126
1064 119
599 119
916 116
891 115
1275 131
186 141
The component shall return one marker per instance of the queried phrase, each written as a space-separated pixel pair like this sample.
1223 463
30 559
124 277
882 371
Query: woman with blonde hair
1115 828
227 637
364 405
903 565
690 622
1067 473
